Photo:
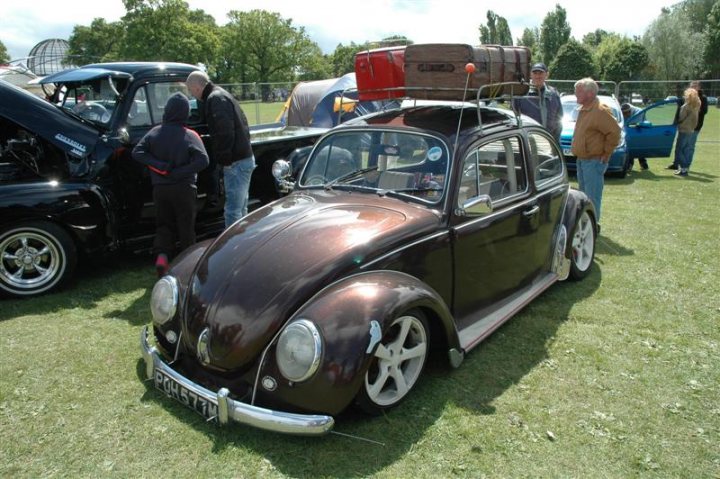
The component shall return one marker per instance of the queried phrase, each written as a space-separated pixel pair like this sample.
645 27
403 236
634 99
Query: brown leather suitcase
436 71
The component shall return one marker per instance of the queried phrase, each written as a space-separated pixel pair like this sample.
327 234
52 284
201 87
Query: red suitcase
380 69
436 71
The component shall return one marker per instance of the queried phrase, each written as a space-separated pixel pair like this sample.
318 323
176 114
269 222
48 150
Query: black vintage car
68 187
419 229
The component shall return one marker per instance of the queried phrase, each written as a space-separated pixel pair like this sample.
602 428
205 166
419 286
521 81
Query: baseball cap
539 67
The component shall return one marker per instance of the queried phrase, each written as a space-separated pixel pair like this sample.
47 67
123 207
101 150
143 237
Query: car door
493 252
650 133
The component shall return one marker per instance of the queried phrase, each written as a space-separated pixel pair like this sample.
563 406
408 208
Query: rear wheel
34 258
398 362
583 246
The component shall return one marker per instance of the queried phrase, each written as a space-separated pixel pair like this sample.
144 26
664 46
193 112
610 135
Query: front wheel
397 363
583 247
34 258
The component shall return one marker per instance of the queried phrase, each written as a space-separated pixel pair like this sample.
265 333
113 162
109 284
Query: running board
473 335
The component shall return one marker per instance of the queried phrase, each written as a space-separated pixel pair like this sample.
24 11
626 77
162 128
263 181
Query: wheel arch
343 313
576 204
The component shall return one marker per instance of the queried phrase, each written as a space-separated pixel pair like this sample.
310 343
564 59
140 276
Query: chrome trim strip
404 247
472 335
517 206
229 409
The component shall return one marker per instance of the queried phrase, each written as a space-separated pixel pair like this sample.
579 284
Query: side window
544 158
150 101
495 169
139 114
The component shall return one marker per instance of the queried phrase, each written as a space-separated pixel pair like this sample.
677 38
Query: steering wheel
94 112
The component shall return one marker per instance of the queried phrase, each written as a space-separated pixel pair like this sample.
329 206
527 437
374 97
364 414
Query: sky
329 23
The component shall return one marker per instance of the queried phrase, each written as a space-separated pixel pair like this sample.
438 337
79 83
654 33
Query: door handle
531 212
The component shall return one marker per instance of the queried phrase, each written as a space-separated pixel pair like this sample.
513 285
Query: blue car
649 133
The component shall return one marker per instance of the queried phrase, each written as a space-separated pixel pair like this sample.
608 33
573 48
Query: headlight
281 169
298 350
164 300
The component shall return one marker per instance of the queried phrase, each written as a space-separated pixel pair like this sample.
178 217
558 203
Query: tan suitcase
436 71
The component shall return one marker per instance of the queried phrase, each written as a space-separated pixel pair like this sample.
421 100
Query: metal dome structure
48 57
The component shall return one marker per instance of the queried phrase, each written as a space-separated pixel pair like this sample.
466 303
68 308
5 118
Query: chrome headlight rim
165 285
281 169
309 328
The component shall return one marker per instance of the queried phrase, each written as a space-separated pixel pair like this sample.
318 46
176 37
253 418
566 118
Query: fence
261 102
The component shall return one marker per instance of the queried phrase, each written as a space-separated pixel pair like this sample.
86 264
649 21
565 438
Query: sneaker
161 265
681 172
672 167
644 164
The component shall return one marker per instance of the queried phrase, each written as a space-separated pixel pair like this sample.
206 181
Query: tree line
260 46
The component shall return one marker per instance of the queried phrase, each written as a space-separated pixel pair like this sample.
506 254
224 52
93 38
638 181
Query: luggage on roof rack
436 71
380 73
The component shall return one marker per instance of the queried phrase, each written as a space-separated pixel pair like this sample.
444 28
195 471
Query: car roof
122 69
439 118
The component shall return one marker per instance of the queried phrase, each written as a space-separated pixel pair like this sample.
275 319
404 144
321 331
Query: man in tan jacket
597 133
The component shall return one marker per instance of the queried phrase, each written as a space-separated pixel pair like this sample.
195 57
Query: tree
4 55
496 31
554 33
595 38
627 62
100 42
264 47
572 62
675 50
711 37
343 58
167 30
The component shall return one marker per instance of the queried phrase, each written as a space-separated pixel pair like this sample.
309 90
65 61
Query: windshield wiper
350 176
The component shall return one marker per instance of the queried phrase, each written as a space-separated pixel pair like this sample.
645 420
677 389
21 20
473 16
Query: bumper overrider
218 406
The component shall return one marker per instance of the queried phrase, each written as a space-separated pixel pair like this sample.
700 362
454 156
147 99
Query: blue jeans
237 186
591 179
686 148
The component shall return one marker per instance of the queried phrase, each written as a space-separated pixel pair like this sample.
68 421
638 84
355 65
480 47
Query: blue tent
319 103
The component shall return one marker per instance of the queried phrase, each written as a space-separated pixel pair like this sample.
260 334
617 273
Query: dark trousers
175 217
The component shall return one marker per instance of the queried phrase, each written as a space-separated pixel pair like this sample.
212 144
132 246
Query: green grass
615 376
259 113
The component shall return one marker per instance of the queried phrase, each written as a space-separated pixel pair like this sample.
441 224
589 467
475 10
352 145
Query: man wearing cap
542 102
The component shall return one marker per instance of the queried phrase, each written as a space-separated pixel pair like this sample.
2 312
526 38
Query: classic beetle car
68 187
418 228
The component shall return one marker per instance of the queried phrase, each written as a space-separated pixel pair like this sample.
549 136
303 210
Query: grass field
616 376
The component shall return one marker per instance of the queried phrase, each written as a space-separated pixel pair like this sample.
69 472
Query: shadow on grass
360 445
650 175
93 282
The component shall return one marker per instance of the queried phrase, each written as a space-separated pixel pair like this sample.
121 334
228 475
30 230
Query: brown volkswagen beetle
416 228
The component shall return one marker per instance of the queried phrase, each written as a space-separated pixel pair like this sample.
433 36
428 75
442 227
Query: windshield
93 100
570 108
388 162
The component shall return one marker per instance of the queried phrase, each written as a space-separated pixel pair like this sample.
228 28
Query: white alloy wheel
583 246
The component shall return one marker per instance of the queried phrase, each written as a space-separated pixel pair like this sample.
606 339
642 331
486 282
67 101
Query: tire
397 364
35 258
583 247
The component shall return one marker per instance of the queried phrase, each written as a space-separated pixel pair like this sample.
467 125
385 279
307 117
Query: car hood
46 120
263 268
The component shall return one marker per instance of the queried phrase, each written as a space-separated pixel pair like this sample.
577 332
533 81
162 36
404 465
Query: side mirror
478 205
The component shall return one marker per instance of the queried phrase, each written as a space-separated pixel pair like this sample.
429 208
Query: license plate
567 151
184 396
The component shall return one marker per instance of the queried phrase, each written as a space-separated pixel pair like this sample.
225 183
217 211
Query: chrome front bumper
229 409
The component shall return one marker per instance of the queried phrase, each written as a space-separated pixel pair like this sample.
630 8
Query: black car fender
351 315
577 202
82 209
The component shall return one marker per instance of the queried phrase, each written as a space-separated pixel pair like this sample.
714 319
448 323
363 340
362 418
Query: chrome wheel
583 246
398 362
34 258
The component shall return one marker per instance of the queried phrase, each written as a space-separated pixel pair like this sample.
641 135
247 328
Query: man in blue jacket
230 141
542 102
174 154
